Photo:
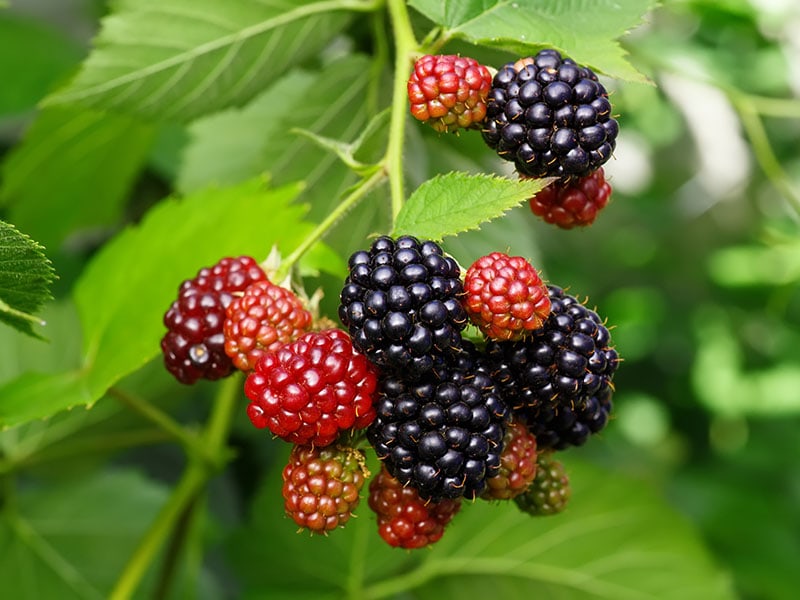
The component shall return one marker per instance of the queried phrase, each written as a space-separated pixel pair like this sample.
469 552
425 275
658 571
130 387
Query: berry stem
361 189
191 485
405 48
187 439
754 127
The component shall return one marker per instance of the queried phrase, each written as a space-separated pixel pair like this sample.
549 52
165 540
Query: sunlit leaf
32 58
455 202
125 290
179 59
91 160
585 31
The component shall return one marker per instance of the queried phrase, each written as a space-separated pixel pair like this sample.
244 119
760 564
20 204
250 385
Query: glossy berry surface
559 380
550 491
401 304
265 317
443 434
550 116
505 297
517 465
322 486
310 390
194 345
448 92
404 519
572 202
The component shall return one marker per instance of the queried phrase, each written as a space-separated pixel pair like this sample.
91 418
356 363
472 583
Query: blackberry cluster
550 116
559 379
442 435
400 303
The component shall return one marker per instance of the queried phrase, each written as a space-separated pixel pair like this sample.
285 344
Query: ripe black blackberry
442 435
559 379
550 116
401 305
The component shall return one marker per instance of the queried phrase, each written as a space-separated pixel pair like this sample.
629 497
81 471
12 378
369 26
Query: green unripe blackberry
550 491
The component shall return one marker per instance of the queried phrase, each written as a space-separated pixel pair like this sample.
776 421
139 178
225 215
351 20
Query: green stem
361 189
380 55
763 149
86 446
185 493
188 440
405 48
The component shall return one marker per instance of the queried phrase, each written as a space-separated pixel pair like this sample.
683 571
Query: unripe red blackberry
517 465
194 345
322 486
572 202
505 297
310 390
550 116
400 303
265 317
559 379
550 491
449 92
442 434
404 519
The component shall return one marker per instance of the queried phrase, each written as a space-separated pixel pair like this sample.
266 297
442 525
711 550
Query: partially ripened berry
449 92
310 390
572 202
559 379
550 116
261 320
505 297
443 434
517 465
404 519
322 486
194 345
401 304
550 491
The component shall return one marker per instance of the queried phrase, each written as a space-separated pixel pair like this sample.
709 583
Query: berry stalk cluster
463 383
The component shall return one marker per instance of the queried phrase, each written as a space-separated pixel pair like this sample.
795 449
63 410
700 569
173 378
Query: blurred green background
696 261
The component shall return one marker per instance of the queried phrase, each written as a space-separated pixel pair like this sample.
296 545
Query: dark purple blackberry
559 379
443 434
194 344
550 116
401 304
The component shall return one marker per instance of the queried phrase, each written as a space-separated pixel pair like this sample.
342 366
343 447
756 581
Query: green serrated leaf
73 540
617 539
90 159
123 293
585 31
455 202
25 278
179 59
29 74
